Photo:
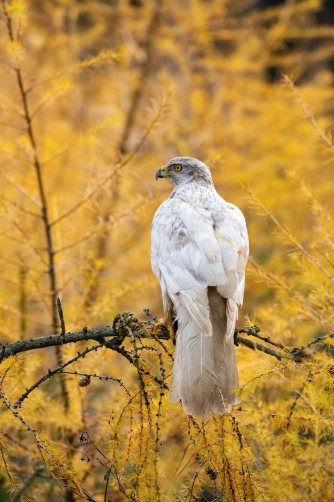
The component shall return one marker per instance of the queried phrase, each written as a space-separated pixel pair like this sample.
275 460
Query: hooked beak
160 174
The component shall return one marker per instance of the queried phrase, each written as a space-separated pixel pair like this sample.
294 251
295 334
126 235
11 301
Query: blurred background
208 74
112 90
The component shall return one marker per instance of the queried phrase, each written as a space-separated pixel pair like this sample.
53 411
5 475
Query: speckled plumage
199 253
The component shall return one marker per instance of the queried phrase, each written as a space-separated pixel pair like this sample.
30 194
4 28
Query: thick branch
54 340
139 329
119 329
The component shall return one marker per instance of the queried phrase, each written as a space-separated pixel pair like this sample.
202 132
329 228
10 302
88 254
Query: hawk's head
183 170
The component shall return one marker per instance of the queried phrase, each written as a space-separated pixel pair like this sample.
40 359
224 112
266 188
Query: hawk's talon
168 323
160 324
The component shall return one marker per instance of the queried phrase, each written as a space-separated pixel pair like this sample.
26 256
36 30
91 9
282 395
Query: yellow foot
167 322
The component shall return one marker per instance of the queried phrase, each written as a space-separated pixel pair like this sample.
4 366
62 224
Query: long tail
205 369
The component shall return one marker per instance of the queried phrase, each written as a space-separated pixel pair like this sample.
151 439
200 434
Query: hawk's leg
167 322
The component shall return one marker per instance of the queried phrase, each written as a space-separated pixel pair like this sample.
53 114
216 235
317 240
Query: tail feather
231 318
204 370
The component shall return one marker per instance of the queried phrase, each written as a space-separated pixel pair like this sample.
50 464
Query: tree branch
140 329
45 217
262 348
50 373
54 340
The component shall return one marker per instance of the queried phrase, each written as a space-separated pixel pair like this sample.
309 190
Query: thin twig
107 483
21 208
21 189
50 373
85 438
103 56
61 317
279 281
297 352
190 490
41 444
148 313
294 404
100 377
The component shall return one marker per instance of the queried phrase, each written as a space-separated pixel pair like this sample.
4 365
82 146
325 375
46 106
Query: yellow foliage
95 97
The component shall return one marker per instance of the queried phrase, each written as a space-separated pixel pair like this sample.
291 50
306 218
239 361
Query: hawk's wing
192 250
231 234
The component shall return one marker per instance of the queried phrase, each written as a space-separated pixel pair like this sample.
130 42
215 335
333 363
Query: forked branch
128 326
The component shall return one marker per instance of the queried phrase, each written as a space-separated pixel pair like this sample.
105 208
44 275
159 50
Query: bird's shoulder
228 215
206 200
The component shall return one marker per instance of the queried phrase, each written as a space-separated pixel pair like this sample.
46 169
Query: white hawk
199 254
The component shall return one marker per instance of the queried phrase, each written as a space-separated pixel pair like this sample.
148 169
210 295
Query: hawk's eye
178 167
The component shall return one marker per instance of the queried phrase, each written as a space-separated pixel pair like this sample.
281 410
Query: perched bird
199 254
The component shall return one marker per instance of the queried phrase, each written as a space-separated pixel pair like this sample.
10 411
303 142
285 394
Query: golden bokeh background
110 91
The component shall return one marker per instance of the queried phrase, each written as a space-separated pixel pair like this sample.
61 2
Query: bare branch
262 348
267 339
21 189
312 342
54 340
149 314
